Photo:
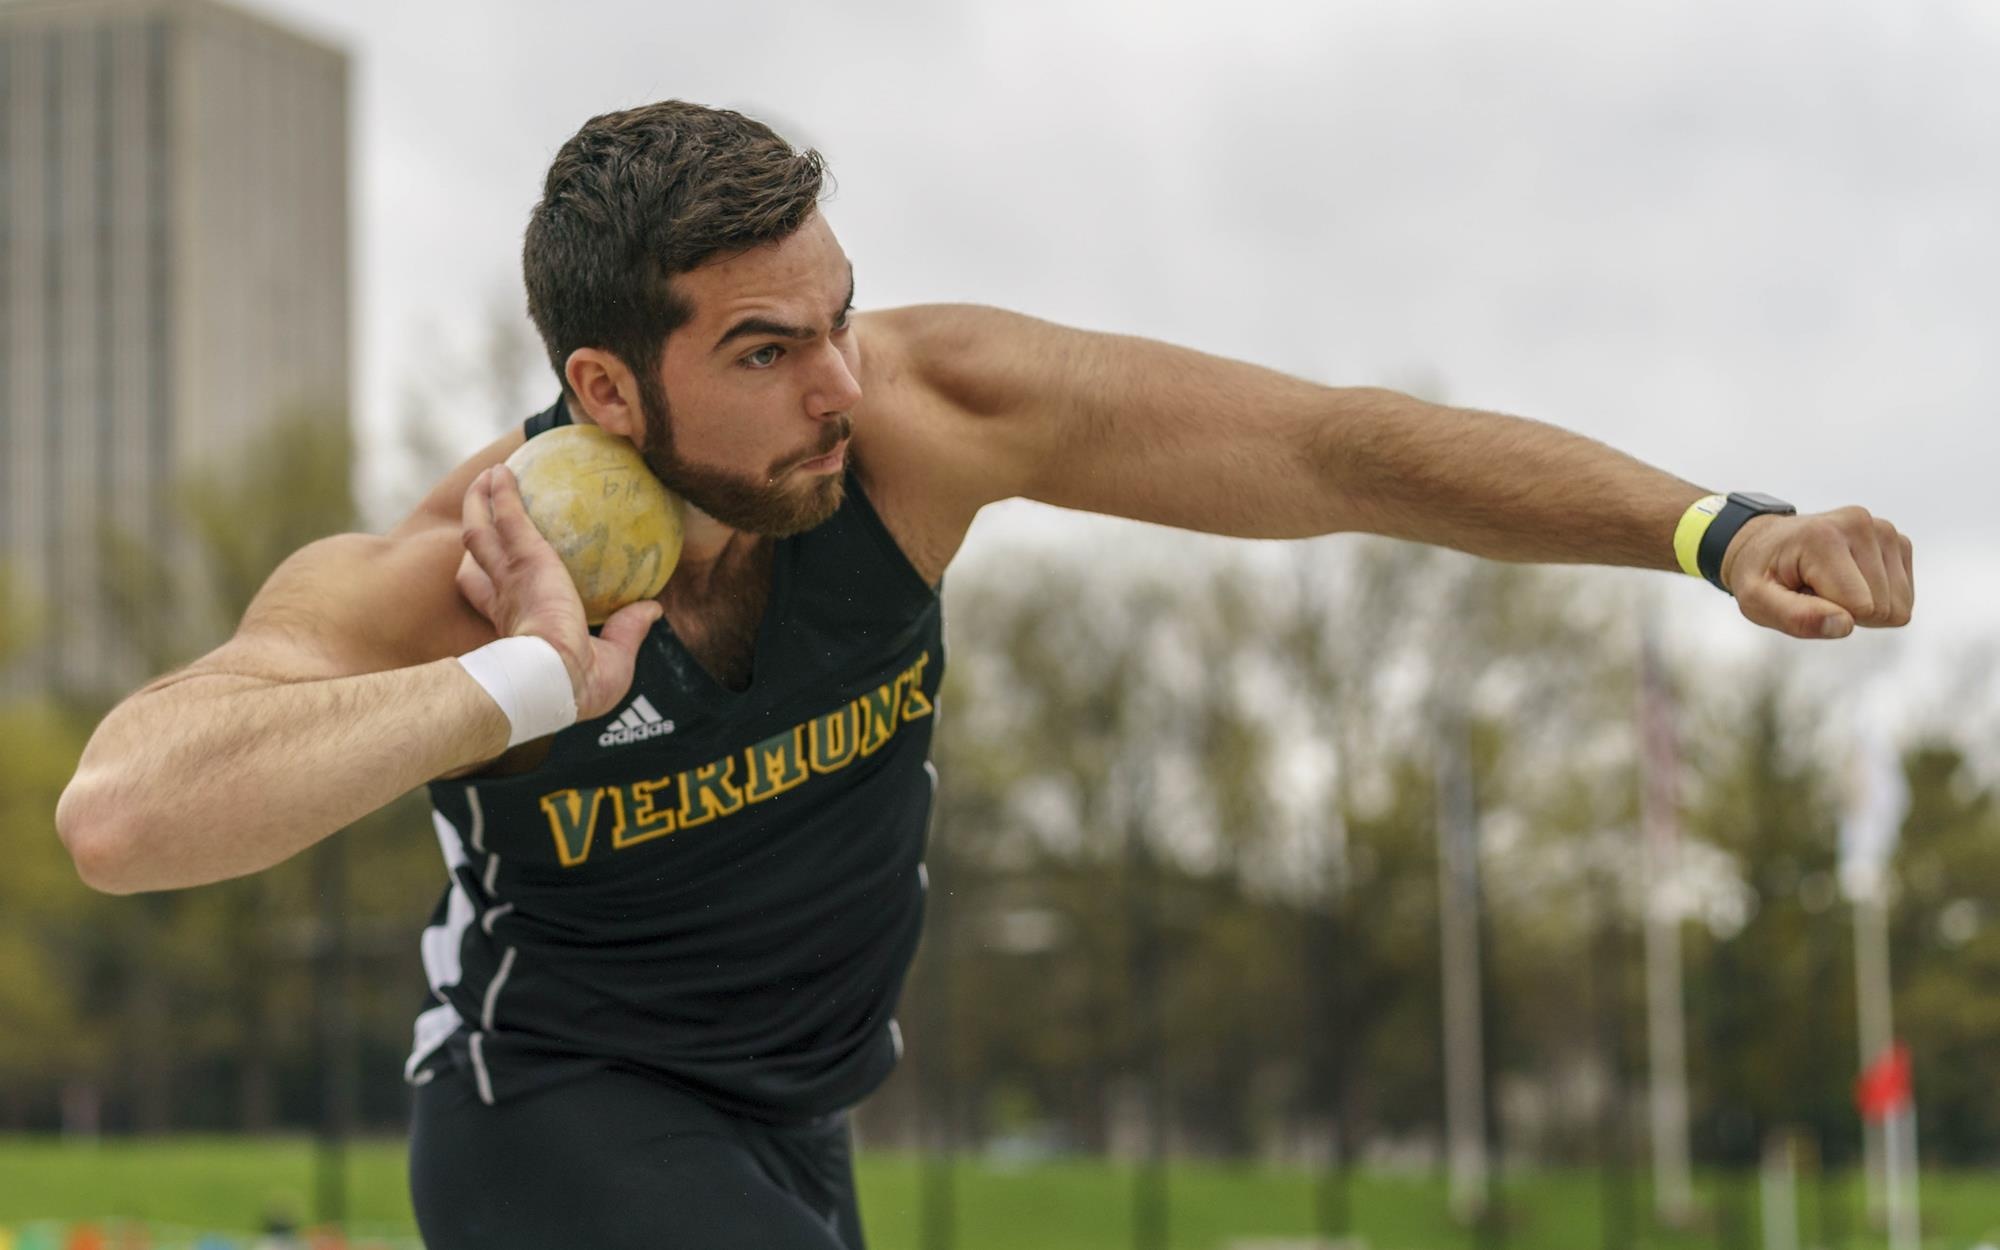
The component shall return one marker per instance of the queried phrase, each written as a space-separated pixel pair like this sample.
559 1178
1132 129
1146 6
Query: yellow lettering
878 708
648 821
776 765
707 792
573 820
834 738
644 810
916 704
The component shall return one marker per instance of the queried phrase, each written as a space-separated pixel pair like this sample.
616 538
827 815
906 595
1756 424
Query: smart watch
1736 510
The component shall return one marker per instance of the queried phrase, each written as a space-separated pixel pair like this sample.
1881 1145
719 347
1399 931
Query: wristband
1694 525
530 682
1738 510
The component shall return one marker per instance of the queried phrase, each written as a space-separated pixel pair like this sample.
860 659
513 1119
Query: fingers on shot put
499 539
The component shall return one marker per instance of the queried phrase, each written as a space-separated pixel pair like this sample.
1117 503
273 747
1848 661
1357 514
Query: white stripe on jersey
432 1028
493 990
478 838
479 1069
442 945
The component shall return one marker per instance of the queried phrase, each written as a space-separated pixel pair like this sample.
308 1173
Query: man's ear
606 392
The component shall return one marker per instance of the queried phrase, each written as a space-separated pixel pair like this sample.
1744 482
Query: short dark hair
636 197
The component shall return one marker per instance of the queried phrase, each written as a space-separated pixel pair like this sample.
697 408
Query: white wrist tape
529 681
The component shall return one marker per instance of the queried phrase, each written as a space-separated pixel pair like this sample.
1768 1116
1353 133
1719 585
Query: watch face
1762 503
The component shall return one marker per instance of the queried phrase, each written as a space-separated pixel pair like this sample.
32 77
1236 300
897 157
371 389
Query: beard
765 505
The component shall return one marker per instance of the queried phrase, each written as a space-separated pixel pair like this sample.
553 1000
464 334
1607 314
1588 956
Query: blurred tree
1205 706
1945 952
201 1001
1770 975
43 1044
1534 658
1097 741
1270 735
1042 706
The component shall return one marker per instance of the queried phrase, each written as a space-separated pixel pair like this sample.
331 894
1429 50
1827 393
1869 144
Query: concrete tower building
173 276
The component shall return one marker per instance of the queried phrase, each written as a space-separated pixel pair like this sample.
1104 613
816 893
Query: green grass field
226 1184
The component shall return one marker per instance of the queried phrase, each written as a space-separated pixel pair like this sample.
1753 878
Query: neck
707 545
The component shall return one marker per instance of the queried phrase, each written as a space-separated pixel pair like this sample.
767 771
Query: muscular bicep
1130 426
363 603
349 604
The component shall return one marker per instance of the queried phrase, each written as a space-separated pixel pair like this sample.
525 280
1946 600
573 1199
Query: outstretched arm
1136 428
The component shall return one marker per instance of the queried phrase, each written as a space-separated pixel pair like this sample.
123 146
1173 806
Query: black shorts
616 1161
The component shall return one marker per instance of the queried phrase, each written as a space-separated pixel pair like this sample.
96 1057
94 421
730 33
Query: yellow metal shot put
617 529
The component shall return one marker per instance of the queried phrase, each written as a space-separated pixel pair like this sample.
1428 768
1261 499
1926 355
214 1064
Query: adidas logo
635 724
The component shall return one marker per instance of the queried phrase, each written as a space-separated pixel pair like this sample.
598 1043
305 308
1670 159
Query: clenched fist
1819 576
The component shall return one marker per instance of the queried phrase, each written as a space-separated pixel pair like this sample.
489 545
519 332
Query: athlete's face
762 379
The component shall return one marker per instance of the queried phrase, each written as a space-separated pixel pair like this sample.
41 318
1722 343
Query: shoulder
969 359
932 442
992 398
358 603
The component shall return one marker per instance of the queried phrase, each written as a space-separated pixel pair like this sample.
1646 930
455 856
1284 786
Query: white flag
1878 797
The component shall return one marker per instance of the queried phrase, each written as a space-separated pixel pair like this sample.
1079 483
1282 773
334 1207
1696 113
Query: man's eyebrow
764 326
760 326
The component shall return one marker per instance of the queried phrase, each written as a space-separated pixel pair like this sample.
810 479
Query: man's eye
842 323
755 363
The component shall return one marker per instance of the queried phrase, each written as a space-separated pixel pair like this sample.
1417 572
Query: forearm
217 776
1497 486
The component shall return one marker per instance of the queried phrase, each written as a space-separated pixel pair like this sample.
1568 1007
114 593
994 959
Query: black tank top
723 889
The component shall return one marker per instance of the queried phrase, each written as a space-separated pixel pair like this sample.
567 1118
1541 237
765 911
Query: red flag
1884 1087
86 1237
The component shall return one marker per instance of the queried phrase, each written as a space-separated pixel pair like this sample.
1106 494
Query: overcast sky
1752 242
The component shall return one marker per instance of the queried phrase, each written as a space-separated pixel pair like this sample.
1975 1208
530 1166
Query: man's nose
838 390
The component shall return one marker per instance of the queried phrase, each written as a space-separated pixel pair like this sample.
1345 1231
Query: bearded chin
767 508
742 503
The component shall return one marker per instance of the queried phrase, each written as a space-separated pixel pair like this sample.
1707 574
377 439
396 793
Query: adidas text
619 735
637 723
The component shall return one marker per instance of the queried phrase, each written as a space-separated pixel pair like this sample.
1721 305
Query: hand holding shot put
673 933
519 582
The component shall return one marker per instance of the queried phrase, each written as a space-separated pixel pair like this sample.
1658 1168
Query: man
685 850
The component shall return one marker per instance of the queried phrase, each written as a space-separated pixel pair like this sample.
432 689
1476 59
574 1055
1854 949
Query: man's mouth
827 463
833 454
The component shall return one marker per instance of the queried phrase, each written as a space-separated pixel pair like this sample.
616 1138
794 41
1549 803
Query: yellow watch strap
1694 523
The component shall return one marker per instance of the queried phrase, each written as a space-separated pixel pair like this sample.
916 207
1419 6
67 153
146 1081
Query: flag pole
1666 1025
1878 801
1458 919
